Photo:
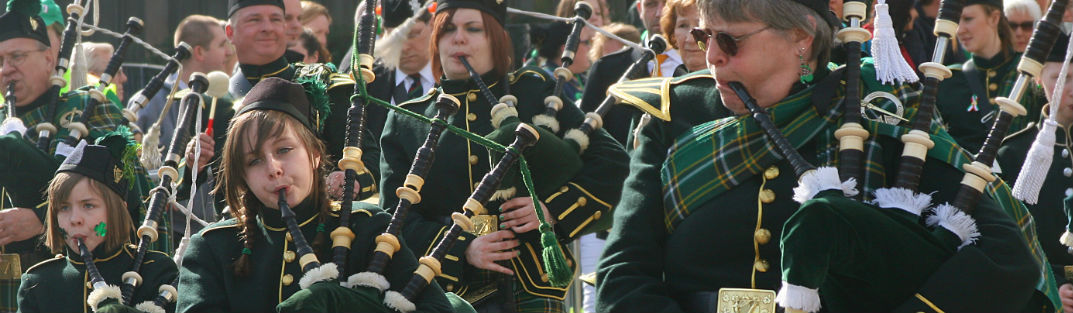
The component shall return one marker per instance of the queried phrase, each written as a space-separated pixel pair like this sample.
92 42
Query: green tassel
317 93
559 273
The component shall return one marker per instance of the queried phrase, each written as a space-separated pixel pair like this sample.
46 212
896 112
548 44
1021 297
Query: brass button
450 287
771 173
762 236
471 117
471 97
473 160
992 87
564 189
991 73
289 239
767 196
761 265
581 201
596 216
288 256
287 280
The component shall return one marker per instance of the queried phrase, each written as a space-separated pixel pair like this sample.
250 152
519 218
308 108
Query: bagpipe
828 231
77 130
159 198
12 123
594 120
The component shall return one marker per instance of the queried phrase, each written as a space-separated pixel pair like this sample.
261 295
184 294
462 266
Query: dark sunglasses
726 42
1027 26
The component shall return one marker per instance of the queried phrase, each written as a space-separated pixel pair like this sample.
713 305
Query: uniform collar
46 98
255 73
456 86
995 62
99 254
304 213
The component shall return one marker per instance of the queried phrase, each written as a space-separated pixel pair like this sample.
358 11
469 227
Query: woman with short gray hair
1022 16
699 223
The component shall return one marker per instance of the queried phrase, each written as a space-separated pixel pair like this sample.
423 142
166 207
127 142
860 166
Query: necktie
415 89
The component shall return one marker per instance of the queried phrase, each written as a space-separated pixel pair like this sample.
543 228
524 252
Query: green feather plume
27 7
121 145
317 93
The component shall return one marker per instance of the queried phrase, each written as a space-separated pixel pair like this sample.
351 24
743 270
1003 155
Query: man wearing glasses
25 68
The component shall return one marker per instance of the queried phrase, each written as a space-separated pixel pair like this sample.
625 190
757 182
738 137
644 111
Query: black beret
495 8
282 95
235 5
824 10
22 21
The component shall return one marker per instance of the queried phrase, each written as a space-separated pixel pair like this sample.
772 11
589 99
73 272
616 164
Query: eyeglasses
16 58
1027 26
726 42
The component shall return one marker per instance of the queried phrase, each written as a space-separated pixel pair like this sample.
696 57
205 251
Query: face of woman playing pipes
280 163
82 215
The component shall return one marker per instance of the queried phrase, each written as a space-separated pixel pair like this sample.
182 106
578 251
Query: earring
806 72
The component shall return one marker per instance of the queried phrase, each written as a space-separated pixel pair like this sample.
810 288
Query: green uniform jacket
460 164
61 284
731 240
25 170
208 283
1050 217
966 115
333 132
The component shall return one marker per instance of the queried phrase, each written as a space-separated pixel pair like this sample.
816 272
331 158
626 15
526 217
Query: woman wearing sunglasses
965 99
1022 16
705 203
501 270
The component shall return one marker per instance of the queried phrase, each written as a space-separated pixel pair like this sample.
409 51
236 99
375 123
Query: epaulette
224 224
651 95
428 95
1031 127
529 71
45 262
340 79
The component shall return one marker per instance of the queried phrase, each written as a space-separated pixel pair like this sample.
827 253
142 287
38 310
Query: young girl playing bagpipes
89 228
273 164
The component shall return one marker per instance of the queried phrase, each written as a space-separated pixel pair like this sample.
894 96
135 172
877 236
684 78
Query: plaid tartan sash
717 156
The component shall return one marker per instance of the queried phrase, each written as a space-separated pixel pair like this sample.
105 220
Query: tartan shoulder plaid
716 156
104 118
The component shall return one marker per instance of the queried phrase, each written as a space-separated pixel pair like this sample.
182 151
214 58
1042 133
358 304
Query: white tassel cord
395 300
151 149
324 272
1038 160
891 67
368 279
798 297
903 199
820 179
957 222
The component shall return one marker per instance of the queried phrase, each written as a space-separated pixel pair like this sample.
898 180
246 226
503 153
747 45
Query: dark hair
1005 33
244 205
497 36
312 45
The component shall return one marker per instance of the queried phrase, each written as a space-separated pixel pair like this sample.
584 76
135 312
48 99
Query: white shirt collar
427 81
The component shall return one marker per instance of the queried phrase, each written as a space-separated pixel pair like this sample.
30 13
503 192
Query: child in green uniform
250 263
86 201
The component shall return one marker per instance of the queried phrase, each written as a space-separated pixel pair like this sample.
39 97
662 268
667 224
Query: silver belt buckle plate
743 300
